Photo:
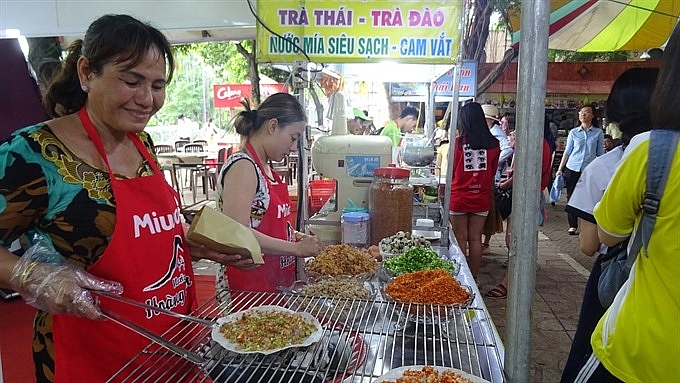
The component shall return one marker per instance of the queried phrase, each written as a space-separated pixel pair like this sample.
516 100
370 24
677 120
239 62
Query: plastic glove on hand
60 289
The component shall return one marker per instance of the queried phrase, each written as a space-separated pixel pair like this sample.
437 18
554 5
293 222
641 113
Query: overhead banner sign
230 95
359 31
468 81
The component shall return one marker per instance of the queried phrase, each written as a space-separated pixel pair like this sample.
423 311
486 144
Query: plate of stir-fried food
429 374
266 330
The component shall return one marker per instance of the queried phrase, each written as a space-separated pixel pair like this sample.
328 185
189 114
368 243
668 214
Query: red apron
148 254
277 270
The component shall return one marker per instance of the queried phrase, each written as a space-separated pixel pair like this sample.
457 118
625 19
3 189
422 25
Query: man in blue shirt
584 143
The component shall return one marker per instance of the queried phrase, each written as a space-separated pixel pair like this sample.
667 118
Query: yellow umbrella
607 25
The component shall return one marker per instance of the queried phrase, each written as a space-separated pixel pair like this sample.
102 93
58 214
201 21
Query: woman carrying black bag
503 200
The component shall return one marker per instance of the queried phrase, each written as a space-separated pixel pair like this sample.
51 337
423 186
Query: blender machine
350 161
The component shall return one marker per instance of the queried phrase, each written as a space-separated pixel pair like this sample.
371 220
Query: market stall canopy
182 21
607 25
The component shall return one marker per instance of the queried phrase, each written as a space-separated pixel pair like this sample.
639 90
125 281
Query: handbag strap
662 146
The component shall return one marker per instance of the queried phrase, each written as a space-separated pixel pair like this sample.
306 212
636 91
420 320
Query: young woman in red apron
254 195
149 255
277 270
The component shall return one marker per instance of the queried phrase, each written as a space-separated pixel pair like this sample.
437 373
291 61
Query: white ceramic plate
429 235
396 373
218 337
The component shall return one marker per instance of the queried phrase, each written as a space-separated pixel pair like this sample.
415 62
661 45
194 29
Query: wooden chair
293 165
189 174
214 171
189 209
164 148
201 142
193 148
166 162
283 170
179 144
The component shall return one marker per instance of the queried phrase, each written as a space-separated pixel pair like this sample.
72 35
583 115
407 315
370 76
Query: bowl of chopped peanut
338 298
340 287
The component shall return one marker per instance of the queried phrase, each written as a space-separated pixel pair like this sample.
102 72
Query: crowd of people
634 338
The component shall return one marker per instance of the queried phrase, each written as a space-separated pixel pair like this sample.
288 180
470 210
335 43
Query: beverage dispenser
349 160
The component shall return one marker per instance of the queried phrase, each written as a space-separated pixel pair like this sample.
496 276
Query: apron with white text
277 270
149 255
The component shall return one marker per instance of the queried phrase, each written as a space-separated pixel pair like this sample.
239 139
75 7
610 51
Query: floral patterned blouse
46 189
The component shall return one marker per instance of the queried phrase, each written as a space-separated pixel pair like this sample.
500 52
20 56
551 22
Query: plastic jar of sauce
355 228
390 203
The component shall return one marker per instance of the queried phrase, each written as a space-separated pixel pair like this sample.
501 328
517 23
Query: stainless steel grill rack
362 340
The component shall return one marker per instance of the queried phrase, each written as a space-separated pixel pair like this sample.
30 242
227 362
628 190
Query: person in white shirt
491 114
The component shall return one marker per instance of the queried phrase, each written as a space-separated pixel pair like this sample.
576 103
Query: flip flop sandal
572 231
498 292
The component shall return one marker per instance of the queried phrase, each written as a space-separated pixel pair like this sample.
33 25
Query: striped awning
608 25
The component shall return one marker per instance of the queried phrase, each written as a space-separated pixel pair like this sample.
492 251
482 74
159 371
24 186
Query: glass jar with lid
390 203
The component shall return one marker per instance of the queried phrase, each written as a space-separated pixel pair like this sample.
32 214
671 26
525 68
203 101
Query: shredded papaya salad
267 330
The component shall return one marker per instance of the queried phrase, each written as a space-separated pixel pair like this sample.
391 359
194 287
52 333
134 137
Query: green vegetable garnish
417 259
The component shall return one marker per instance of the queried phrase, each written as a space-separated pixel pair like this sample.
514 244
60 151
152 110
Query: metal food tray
362 340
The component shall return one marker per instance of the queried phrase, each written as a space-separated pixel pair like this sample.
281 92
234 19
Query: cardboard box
221 233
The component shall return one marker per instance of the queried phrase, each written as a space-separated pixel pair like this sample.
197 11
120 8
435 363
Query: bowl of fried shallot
342 260
427 296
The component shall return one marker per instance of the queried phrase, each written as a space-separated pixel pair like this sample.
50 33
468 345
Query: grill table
362 340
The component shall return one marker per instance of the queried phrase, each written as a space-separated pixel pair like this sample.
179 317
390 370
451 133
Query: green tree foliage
185 93
560 55
229 65
199 67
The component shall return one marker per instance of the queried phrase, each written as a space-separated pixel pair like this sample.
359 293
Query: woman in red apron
254 195
90 186
153 266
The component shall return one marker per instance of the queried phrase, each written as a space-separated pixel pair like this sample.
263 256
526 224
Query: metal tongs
184 353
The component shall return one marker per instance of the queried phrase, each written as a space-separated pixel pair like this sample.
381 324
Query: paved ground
562 271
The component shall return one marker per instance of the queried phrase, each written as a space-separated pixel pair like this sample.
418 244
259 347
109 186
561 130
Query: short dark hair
665 98
628 101
281 106
409 111
111 39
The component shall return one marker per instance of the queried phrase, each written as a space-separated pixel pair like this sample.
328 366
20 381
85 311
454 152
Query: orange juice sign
359 31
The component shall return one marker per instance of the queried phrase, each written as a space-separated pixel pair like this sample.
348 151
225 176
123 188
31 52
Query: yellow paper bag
221 233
